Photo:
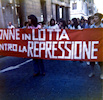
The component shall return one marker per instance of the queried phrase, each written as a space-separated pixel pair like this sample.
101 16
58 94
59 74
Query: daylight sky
99 5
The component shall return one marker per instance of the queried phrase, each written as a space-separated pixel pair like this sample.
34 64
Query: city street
64 80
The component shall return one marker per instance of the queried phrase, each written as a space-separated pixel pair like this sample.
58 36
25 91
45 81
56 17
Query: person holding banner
39 66
97 24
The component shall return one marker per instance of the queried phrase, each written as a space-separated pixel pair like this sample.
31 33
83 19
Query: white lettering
64 35
94 49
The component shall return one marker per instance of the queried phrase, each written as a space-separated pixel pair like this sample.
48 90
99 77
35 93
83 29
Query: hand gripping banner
58 44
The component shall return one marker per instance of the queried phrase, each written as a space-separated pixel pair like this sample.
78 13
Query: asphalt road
64 80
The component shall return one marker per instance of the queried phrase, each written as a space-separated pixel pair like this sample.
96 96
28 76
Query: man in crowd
10 26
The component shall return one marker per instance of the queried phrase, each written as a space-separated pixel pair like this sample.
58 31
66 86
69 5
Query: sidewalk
64 80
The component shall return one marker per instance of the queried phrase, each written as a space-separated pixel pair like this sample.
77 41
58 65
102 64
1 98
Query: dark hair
34 20
63 23
89 19
99 15
51 24
75 23
25 23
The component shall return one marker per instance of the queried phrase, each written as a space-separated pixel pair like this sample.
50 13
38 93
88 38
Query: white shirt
10 27
94 26
54 27
79 27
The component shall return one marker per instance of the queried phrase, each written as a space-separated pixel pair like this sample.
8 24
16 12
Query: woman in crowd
53 25
38 63
97 24
82 23
33 22
90 22
62 24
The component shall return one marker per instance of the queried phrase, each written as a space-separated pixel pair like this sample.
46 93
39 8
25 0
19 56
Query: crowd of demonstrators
76 23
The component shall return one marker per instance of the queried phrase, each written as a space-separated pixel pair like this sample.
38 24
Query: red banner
85 45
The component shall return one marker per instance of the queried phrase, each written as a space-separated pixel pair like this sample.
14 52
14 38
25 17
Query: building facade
45 9
40 8
91 7
79 8
17 11
8 13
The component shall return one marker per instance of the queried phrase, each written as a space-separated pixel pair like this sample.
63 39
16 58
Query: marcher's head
62 24
26 24
91 20
10 23
75 23
32 20
69 21
52 22
82 20
97 17
42 24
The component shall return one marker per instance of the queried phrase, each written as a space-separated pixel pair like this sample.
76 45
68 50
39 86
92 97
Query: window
74 6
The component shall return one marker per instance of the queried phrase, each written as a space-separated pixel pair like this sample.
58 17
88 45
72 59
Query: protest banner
58 44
